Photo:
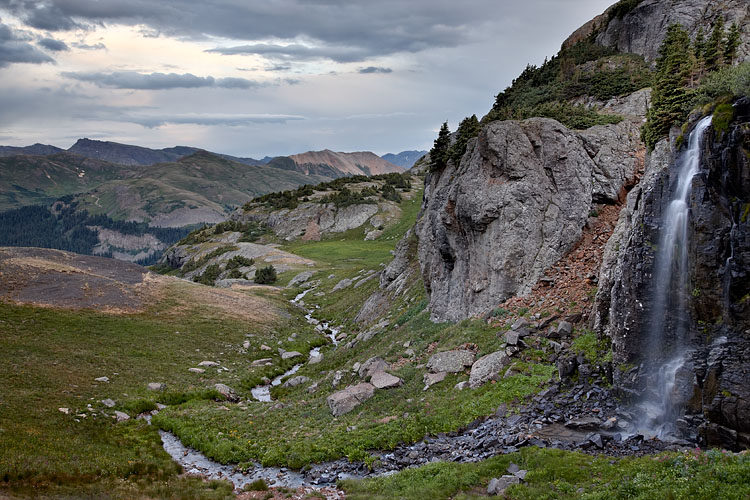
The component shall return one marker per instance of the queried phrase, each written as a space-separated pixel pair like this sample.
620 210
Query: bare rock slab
450 361
383 380
344 401
487 367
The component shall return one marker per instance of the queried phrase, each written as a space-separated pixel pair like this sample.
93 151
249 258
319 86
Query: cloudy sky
265 77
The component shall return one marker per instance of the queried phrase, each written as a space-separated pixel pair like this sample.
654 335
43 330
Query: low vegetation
689 475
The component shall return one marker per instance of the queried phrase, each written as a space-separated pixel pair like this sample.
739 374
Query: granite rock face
713 384
642 29
515 204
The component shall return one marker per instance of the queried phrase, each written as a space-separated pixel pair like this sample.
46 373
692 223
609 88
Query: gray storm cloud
158 81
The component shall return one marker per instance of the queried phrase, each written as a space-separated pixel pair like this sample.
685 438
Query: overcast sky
265 77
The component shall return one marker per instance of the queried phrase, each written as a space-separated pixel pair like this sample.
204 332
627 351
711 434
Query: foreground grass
556 474
51 359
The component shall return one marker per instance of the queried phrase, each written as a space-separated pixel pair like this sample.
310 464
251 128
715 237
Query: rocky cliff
713 383
515 204
641 27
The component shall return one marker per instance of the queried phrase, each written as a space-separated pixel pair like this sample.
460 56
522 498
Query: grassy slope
51 358
302 430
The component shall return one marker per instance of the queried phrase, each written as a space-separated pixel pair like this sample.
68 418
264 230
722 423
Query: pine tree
440 149
468 128
714 51
670 93
732 44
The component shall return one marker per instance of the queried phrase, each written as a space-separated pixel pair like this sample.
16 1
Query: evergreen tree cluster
443 151
681 67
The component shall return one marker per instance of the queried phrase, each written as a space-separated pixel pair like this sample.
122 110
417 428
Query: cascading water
669 316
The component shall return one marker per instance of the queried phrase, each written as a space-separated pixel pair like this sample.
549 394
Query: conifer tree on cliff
439 151
670 93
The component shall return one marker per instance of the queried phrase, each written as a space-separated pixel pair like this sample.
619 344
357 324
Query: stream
195 462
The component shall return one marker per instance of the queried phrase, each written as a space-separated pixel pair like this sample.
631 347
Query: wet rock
344 401
487 367
226 392
295 381
450 361
383 380
596 439
566 367
157 386
431 379
498 486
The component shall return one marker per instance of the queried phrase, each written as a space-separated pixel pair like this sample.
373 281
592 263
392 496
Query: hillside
404 159
333 164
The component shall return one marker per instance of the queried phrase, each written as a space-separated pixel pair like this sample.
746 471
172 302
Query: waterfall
669 314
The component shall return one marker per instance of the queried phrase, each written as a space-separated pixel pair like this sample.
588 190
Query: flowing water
670 317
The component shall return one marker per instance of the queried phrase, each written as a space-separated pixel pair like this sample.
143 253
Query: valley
553 302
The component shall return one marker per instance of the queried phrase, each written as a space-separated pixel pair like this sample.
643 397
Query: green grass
557 474
51 359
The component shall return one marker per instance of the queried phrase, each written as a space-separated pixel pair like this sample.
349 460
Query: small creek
195 462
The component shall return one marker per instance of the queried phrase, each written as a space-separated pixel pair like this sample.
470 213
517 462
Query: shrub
266 275
239 261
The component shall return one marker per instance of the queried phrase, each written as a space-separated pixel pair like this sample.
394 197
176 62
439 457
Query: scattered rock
302 277
487 367
264 347
208 363
450 361
290 354
584 423
596 439
227 392
121 416
383 380
262 362
196 370
156 386
109 403
564 329
345 283
314 360
431 379
344 401
498 486
64 410
102 379
246 344
337 378
313 388
372 365
295 381
461 385
511 337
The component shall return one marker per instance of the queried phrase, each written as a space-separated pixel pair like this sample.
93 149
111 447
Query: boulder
262 362
302 277
290 354
345 283
102 379
383 380
487 367
344 401
450 361
109 403
121 416
208 363
156 386
511 337
373 365
498 485
431 379
226 392
196 370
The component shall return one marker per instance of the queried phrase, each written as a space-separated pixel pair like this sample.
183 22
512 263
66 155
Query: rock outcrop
515 204
641 30
712 385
